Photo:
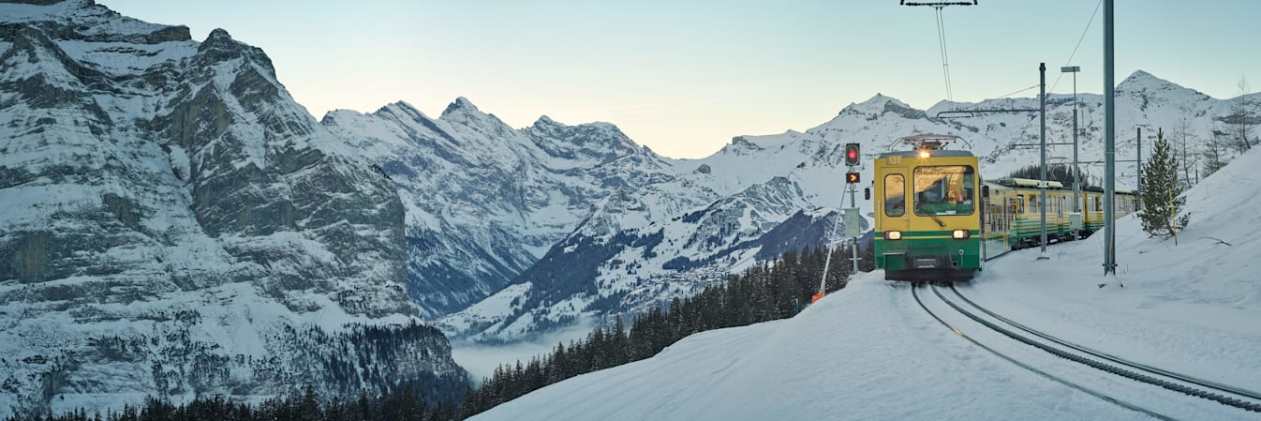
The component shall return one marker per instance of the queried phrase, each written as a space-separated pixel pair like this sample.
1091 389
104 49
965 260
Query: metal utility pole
1076 169
1109 143
1042 182
851 230
1138 161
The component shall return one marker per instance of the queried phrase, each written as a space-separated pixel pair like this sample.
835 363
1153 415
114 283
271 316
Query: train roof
1025 182
1032 183
947 152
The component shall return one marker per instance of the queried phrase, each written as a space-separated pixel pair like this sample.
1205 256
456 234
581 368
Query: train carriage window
944 190
894 195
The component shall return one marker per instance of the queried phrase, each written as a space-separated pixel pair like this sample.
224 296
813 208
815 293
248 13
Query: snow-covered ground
1193 307
870 352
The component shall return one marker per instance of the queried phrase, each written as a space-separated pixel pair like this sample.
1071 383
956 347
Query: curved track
1224 394
1084 389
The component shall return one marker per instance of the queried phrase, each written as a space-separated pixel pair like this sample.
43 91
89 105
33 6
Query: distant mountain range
697 220
175 224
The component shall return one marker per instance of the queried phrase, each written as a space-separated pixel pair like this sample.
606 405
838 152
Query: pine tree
1214 152
1161 193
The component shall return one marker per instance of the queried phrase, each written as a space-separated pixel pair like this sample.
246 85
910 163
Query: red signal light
852 154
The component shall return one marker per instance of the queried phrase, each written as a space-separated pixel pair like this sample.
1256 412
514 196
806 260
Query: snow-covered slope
865 353
1192 306
869 351
172 223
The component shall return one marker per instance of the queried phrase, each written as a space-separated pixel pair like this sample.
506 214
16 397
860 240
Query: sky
685 77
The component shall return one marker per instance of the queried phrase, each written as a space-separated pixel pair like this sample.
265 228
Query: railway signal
852 177
852 155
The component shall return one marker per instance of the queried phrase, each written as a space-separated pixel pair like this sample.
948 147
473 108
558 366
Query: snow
1191 307
869 351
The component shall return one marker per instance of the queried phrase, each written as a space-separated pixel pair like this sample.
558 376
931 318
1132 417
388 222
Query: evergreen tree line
404 403
1054 172
769 291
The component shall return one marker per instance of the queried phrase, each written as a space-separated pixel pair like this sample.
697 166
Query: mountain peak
545 120
1141 79
218 34
461 104
875 104
399 105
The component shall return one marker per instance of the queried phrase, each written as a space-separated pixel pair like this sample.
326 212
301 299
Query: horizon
685 79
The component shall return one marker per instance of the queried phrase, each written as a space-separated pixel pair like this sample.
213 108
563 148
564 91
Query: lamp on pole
1076 170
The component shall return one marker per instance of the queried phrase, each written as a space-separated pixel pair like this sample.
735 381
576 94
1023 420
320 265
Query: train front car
927 209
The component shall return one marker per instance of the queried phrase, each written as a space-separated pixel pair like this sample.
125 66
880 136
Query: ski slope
869 351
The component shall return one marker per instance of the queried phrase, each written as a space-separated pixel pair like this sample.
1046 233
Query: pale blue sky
683 77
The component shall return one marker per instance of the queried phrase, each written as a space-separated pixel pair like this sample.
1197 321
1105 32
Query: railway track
1228 395
1098 394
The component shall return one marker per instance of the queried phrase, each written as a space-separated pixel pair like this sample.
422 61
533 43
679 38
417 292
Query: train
937 219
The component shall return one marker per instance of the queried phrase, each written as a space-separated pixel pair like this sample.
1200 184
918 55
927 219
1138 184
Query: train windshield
944 190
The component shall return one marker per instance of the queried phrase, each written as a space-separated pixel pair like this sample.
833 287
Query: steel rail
1102 396
1132 373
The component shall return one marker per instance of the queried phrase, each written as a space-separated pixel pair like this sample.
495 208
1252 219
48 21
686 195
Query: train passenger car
1017 204
927 212
937 220
1012 213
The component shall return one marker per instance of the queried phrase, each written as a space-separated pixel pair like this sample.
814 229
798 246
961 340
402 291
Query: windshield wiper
937 220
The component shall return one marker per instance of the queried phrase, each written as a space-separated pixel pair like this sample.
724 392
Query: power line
1079 41
945 57
941 36
1017 91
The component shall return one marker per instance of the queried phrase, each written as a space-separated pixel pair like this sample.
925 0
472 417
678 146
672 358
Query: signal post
853 219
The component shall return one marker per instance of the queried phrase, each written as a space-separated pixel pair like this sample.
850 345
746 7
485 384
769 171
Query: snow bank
1192 307
867 352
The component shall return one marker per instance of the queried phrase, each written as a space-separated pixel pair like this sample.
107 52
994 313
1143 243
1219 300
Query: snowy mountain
694 221
485 201
1189 307
174 224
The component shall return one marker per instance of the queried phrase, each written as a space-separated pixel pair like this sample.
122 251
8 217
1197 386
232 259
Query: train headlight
893 235
960 234
925 154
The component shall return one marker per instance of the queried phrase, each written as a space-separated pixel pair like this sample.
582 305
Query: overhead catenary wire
1079 42
941 36
1033 86
945 56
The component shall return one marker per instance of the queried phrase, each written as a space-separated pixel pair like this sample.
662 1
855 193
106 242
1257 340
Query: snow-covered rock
173 224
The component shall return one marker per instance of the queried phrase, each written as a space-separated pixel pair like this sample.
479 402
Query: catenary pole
1042 182
1109 142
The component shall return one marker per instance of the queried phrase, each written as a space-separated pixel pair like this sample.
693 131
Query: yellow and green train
936 219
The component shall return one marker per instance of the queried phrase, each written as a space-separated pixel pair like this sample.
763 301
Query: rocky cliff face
484 201
174 223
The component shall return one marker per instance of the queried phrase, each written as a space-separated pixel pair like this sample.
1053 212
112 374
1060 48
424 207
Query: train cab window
944 190
894 195
1098 207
